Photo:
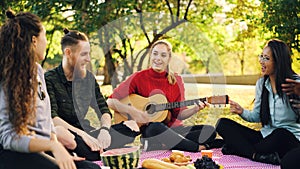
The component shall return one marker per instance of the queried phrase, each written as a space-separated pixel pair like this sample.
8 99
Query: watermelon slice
121 158
119 151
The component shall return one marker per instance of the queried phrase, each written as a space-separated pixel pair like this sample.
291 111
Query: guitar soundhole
150 108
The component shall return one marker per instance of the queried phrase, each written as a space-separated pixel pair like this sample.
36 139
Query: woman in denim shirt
280 130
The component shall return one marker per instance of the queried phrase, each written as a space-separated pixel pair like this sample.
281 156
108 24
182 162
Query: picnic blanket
228 161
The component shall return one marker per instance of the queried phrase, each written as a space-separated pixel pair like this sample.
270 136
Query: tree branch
172 26
178 10
187 9
170 9
49 44
163 32
143 27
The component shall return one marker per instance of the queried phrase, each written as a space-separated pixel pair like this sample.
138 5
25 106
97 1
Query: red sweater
147 83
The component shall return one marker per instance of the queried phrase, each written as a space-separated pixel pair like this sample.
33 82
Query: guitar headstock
223 99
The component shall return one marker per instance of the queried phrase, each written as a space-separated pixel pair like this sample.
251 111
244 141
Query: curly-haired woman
26 128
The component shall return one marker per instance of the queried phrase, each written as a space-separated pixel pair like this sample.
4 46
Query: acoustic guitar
157 106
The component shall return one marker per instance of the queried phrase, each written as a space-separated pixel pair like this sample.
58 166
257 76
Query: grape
205 163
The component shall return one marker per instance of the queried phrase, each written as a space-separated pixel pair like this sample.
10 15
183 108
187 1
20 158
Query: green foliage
282 18
6 4
243 37
215 36
54 16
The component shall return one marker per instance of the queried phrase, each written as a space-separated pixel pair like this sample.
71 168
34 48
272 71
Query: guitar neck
168 106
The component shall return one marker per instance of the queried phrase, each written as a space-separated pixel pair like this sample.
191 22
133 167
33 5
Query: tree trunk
110 74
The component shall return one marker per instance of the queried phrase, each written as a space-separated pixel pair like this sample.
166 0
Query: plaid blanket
228 161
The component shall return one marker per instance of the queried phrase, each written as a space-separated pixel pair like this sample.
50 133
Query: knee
290 160
95 166
281 132
222 123
154 129
212 130
285 135
87 165
65 137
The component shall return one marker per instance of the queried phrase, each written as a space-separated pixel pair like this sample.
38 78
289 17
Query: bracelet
104 128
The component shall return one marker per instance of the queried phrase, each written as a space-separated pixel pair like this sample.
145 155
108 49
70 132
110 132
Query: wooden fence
213 79
221 79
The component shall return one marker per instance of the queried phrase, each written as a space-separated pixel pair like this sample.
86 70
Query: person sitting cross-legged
159 80
280 122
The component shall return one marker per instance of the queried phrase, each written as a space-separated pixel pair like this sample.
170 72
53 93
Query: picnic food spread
177 160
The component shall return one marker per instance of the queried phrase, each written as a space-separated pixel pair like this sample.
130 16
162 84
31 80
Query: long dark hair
283 69
18 69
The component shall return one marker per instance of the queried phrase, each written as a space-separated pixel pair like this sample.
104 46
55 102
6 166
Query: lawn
243 94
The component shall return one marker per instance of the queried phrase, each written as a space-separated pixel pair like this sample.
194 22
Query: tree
242 27
125 30
282 18
52 14
138 26
153 20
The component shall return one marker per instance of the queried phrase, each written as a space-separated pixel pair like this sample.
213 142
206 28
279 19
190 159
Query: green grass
244 95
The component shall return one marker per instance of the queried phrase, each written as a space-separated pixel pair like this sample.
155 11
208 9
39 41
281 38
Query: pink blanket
228 161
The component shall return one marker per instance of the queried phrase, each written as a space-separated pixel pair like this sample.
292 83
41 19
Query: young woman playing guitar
159 80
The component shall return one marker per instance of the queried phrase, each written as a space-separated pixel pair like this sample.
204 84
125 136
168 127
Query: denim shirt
282 115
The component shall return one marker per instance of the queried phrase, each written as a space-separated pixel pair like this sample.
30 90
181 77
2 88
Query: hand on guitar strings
199 105
139 116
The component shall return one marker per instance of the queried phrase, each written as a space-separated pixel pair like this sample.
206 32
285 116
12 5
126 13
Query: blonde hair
171 76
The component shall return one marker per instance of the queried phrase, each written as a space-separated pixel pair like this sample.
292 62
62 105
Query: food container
208 153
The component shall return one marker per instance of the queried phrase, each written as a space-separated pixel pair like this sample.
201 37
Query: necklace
41 92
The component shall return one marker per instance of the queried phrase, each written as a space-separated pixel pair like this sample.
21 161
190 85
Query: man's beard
79 73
